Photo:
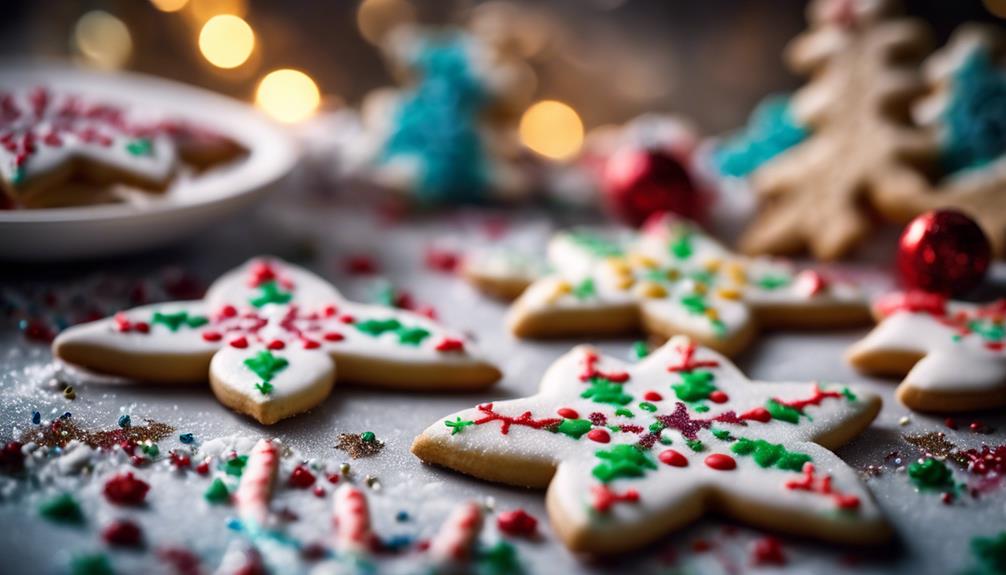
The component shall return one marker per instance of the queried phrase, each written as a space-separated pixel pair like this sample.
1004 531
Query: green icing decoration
988 330
500 559
264 387
703 277
647 406
17 177
412 335
458 425
595 244
783 412
584 289
694 386
624 412
695 303
368 436
140 147
217 492
722 435
270 292
664 440
640 350
406 335
990 553
767 454
695 445
622 461
574 428
266 365
849 395
91 564
234 466
656 427
931 474
681 247
701 408
173 321
150 449
773 282
603 391
62 508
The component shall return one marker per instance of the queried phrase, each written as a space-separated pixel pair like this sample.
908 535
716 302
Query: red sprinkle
599 435
517 523
311 344
122 533
276 345
950 423
673 458
450 344
652 396
203 468
719 397
239 342
757 414
333 478
768 551
442 260
330 311
228 311
212 336
318 491
180 460
568 413
126 489
347 319
301 478
333 336
721 462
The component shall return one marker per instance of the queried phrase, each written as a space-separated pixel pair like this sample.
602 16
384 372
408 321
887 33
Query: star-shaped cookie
952 354
674 279
631 452
269 336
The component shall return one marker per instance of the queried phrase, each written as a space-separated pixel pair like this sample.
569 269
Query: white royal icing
666 494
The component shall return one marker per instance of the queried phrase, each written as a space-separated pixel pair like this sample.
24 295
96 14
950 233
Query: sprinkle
124 422
36 417
517 523
301 478
122 533
768 551
372 482
126 489
69 393
217 492
344 469
187 438
360 445
91 564
62 508
402 516
905 420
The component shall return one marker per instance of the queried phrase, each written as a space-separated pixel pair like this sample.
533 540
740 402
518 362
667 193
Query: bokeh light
552 129
169 5
103 40
199 11
226 41
375 18
288 95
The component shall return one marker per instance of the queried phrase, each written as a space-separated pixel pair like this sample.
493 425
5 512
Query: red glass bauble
640 182
944 252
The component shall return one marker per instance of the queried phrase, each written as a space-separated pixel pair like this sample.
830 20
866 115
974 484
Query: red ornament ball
638 183
944 252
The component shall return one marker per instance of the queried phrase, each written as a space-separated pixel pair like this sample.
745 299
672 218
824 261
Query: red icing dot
718 397
950 422
673 458
758 414
203 468
442 260
301 478
333 478
517 523
228 311
768 551
330 310
311 344
318 491
180 460
276 344
125 489
142 327
450 344
122 533
568 413
347 319
333 336
239 342
721 462
599 435
652 396
212 336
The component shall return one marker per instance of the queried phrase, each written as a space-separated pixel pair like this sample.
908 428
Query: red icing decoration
590 370
301 477
442 260
261 272
212 336
599 435
125 489
311 344
517 523
276 345
720 462
330 311
567 413
450 344
913 302
688 427
822 485
203 468
333 336
524 419
809 283
652 396
122 533
719 397
687 363
179 460
816 399
757 414
347 319
605 498
228 311
239 342
318 491
768 551
673 458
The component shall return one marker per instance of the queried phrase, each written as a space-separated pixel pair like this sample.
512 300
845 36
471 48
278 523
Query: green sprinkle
150 449
603 391
615 428
848 394
584 289
266 365
694 386
931 474
595 244
269 292
62 508
695 445
767 454
234 466
368 436
695 304
722 435
412 335
265 388
990 552
647 406
682 248
406 335
458 425
622 461
500 559
624 412
783 412
656 427
91 564
140 147
173 321
640 350
665 440
773 282
217 492
574 428
701 408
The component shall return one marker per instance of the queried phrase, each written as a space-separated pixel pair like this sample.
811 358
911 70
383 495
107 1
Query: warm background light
375 18
996 7
226 41
199 11
169 5
288 95
103 40
552 129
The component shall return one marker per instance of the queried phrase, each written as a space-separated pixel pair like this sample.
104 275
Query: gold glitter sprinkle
69 393
357 446
344 468
934 443
61 432
905 420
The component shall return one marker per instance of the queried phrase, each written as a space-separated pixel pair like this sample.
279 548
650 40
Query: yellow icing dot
701 289
618 266
712 314
673 274
643 261
729 293
713 265
651 290
736 272
561 288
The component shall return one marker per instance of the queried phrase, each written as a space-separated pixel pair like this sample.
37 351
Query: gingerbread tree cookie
631 452
674 279
270 337
952 354
966 112
812 195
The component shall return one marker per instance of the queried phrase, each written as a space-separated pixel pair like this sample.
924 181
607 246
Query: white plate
186 208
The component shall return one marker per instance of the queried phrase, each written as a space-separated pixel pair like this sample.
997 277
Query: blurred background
609 60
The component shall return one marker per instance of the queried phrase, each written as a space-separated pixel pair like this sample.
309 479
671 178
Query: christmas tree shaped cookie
952 354
271 338
632 452
966 112
812 195
674 279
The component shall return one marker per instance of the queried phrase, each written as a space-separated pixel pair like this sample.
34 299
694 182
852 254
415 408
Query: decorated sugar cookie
674 279
952 354
631 452
272 337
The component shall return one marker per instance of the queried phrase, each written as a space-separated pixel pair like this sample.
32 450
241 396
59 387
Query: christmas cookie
632 452
674 279
952 354
271 338
814 194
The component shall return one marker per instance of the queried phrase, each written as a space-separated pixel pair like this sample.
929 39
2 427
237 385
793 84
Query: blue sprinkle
402 516
186 438
22 324
396 542
125 422
36 417
66 415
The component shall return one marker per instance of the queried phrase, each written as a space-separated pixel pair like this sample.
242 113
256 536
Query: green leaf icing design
622 461
266 365
270 293
767 454
931 474
694 386
407 335
773 282
682 247
783 412
603 391
574 428
584 289
140 147
595 244
458 425
173 321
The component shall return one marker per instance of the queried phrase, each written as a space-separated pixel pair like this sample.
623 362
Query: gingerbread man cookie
270 337
673 279
631 452
812 195
952 354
